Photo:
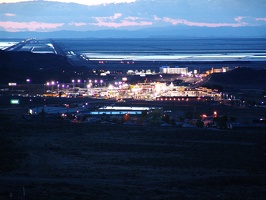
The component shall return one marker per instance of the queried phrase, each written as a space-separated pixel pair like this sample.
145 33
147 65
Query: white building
173 70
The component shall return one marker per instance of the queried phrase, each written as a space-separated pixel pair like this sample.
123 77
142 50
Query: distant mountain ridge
165 32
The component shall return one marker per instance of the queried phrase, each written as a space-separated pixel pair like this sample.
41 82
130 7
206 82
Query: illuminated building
173 70
122 110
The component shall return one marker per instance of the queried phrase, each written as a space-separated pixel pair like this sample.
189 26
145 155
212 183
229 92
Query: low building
122 110
52 110
218 70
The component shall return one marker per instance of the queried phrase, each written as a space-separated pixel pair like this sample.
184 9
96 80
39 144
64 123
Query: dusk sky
86 15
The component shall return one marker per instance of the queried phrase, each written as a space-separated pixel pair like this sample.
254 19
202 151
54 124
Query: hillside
67 161
19 66
240 77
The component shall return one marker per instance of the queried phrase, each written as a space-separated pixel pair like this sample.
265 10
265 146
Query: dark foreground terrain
60 160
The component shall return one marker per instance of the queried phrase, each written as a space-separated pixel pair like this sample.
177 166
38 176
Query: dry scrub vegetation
63 160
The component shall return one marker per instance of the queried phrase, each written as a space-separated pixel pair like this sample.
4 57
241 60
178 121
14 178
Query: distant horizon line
147 37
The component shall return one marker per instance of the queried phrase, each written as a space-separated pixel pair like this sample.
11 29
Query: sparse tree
166 118
221 121
232 119
199 123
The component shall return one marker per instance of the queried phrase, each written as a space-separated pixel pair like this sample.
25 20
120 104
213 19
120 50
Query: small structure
184 98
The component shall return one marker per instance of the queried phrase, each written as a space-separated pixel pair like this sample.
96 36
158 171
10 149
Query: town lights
126 117
52 83
215 114
78 81
203 116
110 87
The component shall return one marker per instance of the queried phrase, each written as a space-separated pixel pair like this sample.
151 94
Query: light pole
78 82
48 84
43 88
28 82
73 82
63 87
52 83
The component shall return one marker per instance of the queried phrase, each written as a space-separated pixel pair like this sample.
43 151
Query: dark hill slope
241 77
18 66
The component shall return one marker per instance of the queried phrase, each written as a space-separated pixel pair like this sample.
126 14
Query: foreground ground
60 160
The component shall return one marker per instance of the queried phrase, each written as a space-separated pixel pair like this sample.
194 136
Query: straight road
19 45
